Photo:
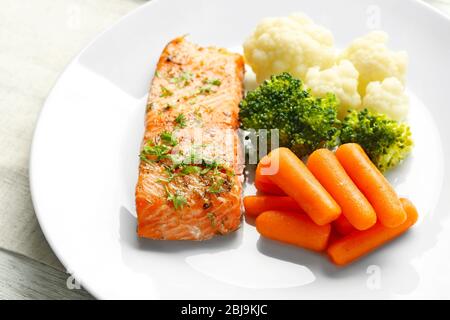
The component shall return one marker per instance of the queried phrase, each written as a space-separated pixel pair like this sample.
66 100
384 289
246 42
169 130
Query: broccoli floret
386 141
305 123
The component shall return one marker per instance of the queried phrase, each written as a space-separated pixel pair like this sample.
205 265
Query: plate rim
41 113
33 146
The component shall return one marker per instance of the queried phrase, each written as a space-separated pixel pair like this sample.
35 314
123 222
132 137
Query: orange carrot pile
263 183
254 205
360 243
338 201
294 178
372 184
293 228
326 168
343 226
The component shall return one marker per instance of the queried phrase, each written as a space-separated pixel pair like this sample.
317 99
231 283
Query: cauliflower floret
387 97
374 61
288 44
341 79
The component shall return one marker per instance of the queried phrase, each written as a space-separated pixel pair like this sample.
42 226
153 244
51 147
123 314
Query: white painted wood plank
38 38
24 278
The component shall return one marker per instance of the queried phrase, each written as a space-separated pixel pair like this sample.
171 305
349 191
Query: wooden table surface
38 38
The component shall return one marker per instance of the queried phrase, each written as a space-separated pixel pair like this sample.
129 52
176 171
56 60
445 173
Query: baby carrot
359 243
293 228
326 168
263 183
294 178
342 225
254 205
372 184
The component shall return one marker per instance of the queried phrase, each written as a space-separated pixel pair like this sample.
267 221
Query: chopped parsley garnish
180 120
170 175
165 180
216 187
168 137
178 200
160 151
205 171
169 170
214 82
212 164
144 158
190 169
205 90
209 165
184 78
194 158
165 92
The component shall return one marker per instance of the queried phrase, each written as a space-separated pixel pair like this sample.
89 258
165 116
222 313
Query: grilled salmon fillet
189 185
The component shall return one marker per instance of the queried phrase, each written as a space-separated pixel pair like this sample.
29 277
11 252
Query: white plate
85 158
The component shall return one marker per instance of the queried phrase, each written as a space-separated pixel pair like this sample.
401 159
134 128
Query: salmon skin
190 185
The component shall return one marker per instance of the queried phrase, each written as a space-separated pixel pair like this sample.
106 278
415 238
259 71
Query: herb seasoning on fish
188 190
